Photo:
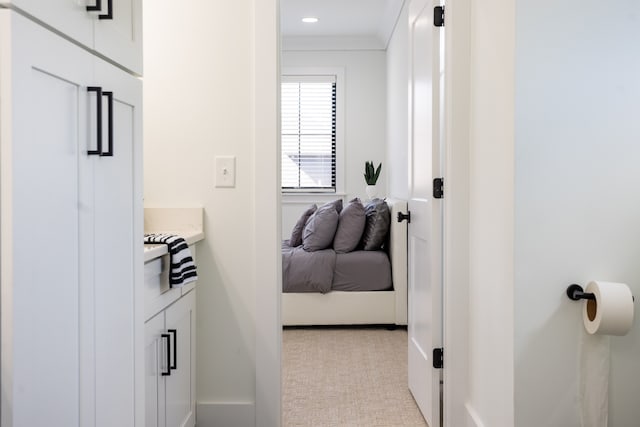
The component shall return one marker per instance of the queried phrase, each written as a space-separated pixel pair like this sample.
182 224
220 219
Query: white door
425 228
42 141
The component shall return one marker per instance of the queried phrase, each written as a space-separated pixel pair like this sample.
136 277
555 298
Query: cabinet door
120 38
180 385
117 35
69 16
155 359
42 110
118 251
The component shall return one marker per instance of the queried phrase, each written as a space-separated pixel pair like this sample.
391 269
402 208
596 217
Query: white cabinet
71 223
120 38
156 360
170 365
116 304
114 29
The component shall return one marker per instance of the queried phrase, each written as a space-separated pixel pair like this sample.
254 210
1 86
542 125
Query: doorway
435 214
456 302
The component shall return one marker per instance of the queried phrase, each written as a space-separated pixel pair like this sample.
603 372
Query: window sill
307 198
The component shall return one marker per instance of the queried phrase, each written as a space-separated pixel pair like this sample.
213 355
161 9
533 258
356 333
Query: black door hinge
438 16
438 358
438 188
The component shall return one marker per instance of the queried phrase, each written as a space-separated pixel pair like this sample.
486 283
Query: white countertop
156 250
184 222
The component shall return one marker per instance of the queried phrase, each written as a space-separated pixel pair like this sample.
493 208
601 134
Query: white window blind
308 105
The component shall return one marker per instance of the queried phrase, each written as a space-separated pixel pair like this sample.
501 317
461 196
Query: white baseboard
227 414
473 419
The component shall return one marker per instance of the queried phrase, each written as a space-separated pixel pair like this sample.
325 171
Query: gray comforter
325 270
304 271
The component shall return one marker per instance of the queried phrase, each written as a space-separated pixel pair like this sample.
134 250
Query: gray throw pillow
377 225
336 204
296 233
320 228
350 227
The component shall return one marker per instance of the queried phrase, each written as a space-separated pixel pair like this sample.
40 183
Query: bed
342 302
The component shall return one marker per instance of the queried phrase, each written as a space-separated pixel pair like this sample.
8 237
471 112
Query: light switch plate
225 171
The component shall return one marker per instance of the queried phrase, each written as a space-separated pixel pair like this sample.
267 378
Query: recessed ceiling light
310 20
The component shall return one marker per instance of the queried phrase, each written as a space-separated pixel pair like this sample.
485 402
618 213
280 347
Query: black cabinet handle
175 348
168 337
99 94
97 6
109 96
109 14
98 91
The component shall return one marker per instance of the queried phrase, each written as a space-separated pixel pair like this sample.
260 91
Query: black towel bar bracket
576 293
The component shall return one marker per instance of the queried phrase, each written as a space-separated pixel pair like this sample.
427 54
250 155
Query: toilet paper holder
575 292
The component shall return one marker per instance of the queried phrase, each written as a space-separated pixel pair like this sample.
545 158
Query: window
308 105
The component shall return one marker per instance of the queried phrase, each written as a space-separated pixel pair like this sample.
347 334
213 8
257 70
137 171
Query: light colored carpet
346 377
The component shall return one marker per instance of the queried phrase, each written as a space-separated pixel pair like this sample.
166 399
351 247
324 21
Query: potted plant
371 176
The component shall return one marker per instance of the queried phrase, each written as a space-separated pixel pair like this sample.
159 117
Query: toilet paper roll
595 359
611 313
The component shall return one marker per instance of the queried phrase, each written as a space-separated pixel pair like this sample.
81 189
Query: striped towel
183 269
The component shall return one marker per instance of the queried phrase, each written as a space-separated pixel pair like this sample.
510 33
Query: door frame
456 212
267 275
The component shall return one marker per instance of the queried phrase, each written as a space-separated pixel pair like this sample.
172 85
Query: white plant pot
372 191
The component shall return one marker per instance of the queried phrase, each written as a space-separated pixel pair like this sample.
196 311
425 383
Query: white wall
398 107
553 179
199 103
364 121
577 198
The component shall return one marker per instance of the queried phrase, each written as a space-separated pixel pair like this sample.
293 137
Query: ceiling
342 24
